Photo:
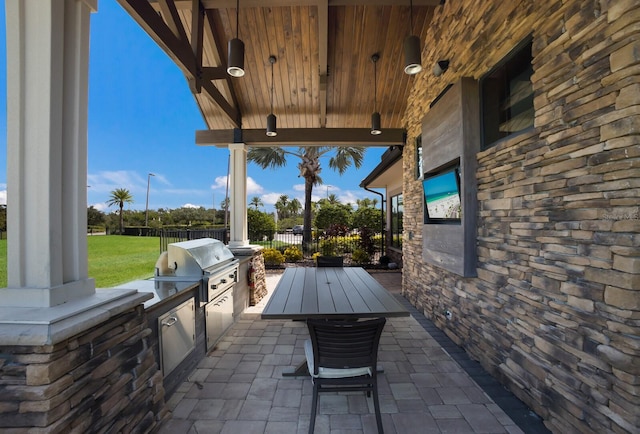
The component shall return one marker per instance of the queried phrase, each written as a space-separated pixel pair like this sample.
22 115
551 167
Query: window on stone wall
397 210
506 95
418 157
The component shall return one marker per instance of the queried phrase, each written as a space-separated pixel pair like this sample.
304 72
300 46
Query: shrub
260 225
292 254
361 257
367 217
330 215
328 247
272 257
367 241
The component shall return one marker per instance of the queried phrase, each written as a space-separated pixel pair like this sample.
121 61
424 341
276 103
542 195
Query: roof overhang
387 172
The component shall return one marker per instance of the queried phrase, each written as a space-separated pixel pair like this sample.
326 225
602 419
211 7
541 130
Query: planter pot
329 261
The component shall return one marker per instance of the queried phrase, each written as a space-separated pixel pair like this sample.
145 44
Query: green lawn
113 259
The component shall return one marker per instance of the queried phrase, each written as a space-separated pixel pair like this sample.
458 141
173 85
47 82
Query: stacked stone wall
555 310
103 380
257 282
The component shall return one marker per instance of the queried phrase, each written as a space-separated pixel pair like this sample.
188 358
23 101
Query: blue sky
143 118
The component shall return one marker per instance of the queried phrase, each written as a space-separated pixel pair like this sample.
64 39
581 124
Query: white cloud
190 205
220 183
3 196
270 198
107 181
253 187
298 187
348 197
110 180
100 206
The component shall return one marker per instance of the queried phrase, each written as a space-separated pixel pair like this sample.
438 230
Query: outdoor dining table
348 293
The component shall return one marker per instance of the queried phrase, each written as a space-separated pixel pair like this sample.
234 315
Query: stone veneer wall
257 287
555 310
103 380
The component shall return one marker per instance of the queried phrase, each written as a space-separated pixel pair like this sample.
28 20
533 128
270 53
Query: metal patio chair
342 356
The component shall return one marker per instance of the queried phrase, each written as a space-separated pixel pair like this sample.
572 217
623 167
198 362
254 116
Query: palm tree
333 199
119 197
282 206
309 167
294 207
256 202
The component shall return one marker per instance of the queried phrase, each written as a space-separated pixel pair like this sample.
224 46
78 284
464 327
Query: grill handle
170 321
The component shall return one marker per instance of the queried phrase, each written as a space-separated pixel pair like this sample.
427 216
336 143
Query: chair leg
376 406
314 406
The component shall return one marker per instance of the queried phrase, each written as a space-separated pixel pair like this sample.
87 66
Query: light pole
146 208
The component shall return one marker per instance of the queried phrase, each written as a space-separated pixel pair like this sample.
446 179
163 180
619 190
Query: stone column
238 174
47 87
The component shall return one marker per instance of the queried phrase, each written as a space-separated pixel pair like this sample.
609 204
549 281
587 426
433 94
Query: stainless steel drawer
219 317
177 333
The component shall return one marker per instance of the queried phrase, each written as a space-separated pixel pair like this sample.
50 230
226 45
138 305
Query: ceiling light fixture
272 131
412 52
375 117
235 66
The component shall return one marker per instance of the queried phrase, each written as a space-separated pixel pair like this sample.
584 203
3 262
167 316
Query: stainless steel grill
204 259
211 263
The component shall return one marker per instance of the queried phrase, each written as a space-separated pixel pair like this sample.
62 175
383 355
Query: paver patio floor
239 389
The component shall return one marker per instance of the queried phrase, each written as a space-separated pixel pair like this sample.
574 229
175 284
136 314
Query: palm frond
271 158
345 156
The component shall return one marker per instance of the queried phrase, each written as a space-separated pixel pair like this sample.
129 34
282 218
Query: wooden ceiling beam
172 19
303 137
231 4
180 51
211 73
197 42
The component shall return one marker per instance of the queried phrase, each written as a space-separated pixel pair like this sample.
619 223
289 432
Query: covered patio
531 107
429 384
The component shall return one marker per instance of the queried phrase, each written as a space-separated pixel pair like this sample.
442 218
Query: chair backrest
345 344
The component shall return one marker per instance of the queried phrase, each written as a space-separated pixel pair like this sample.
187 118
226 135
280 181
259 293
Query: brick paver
239 387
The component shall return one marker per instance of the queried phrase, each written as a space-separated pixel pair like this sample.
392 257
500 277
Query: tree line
309 168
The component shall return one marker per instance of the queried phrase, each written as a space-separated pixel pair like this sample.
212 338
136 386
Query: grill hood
193 258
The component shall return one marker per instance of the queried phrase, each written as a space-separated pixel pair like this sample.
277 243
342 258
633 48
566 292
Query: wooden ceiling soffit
302 137
172 38
228 4
323 65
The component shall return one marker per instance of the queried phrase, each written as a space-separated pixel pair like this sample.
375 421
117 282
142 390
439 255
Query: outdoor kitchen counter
162 290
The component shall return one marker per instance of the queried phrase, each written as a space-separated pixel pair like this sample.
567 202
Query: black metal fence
349 246
168 236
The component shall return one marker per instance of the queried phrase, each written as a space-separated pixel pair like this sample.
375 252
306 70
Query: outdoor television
441 190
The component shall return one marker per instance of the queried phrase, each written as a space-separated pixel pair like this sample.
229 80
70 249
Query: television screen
442 195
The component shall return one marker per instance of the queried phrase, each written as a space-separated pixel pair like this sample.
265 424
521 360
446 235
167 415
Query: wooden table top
330 292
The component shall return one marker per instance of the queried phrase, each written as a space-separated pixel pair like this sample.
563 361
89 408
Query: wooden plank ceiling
323 76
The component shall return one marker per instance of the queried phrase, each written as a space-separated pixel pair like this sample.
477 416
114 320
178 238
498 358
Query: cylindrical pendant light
272 130
235 55
412 60
412 51
375 124
375 117
235 68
